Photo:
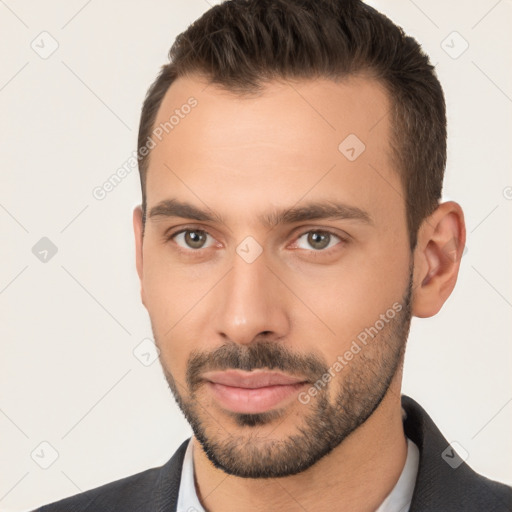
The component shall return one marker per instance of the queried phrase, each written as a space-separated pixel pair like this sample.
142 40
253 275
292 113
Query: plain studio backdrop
80 403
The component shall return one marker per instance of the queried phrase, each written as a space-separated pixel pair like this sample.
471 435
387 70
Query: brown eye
318 240
195 239
191 238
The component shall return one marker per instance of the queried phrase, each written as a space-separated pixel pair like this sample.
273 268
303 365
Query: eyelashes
189 230
195 241
323 233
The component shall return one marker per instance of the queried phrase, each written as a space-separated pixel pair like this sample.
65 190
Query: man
291 160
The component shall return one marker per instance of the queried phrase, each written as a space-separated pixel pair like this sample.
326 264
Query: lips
251 380
252 392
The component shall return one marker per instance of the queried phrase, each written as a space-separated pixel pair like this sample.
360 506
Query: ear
441 241
138 231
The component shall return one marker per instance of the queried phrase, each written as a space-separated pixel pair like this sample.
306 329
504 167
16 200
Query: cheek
167 302
175 344
162 283
349 298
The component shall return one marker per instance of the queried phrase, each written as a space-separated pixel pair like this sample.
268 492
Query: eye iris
318 240
195 239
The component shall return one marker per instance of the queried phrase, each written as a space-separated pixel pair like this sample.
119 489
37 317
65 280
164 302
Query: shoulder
152 489
444 480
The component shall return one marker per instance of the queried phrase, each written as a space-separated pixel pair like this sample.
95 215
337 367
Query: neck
356 476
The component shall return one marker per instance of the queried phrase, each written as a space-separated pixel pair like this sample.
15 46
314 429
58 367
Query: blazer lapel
444 482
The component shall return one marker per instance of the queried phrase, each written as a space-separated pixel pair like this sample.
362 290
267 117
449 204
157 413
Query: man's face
278 334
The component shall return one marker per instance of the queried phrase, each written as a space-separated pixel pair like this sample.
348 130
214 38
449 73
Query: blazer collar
444 481
439 486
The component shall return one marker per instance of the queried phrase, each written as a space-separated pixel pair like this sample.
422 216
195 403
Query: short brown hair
241 44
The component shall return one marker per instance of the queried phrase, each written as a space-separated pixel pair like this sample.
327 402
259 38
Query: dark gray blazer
439 487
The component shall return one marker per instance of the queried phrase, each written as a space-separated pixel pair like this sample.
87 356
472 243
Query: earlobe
441 240
138 232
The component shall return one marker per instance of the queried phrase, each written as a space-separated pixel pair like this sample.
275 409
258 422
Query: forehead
274 145
311 109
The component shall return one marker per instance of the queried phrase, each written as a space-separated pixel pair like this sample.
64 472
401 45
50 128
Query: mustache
258 355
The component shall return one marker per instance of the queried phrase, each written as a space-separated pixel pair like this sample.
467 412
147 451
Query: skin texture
244 157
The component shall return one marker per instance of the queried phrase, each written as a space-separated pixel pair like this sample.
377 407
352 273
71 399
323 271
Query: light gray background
69 326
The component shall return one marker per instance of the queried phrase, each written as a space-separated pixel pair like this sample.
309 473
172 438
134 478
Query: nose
251 303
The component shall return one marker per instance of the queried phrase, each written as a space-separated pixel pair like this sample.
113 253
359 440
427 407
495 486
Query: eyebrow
309 211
